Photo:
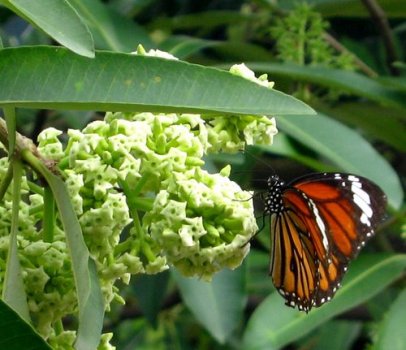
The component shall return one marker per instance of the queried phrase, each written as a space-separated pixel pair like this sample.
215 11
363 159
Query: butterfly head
273 198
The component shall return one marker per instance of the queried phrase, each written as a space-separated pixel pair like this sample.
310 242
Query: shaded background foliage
344 58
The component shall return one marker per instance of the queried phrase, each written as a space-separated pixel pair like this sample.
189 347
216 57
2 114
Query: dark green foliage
331 54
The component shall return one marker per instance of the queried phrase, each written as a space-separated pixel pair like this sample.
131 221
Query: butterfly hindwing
293 265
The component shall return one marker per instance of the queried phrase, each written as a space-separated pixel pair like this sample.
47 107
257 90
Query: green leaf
91 304
334 335
48 221
391 333
6 181
110 30
150 293
398 83
345 81
258 279
182 46
218 305
346 149
59 20
237 51
51 77
378 122
202 20
17 334
282 146
90 298
13 286
274 325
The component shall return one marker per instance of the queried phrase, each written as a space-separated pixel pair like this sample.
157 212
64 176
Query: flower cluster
46 267
144 202
197 221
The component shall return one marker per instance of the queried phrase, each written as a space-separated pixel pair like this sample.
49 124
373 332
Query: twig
340 48
24 144
379 16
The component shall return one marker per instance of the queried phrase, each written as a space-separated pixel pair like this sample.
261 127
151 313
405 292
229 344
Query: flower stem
5 183
49 215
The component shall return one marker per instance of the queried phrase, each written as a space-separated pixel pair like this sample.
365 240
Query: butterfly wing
294 264
328 217
347 209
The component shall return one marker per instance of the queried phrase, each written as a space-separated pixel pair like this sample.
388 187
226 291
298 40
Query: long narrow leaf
347 81
218 305
91 305
150 292
111 31
59 20
391 332
346 149
17 334
273 325
52 77
90 299
13 287
380 123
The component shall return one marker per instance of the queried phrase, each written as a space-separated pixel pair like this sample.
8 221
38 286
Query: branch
24 144
382 23
340 48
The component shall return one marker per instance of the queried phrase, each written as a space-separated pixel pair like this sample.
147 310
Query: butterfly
319 223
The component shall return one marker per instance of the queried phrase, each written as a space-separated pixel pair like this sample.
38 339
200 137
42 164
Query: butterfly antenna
254 154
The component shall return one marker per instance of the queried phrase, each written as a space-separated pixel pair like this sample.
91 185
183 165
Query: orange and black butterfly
319 223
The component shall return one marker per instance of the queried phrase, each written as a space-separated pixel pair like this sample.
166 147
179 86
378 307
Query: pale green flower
202 223
63 341
35 279
105 342
154 53
243 71
49 145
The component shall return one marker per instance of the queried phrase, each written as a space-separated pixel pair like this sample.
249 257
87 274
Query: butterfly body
319 223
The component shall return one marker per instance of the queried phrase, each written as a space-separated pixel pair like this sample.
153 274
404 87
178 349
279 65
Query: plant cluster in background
300 38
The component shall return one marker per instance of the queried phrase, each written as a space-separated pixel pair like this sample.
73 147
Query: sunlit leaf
217 305
15 333
51 77
59 20
274 325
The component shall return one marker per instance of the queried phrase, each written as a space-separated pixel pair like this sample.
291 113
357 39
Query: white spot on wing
353 178
356 188
364 206
365 220
320 224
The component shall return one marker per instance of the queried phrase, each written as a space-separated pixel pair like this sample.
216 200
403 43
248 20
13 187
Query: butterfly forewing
350 206
319 224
